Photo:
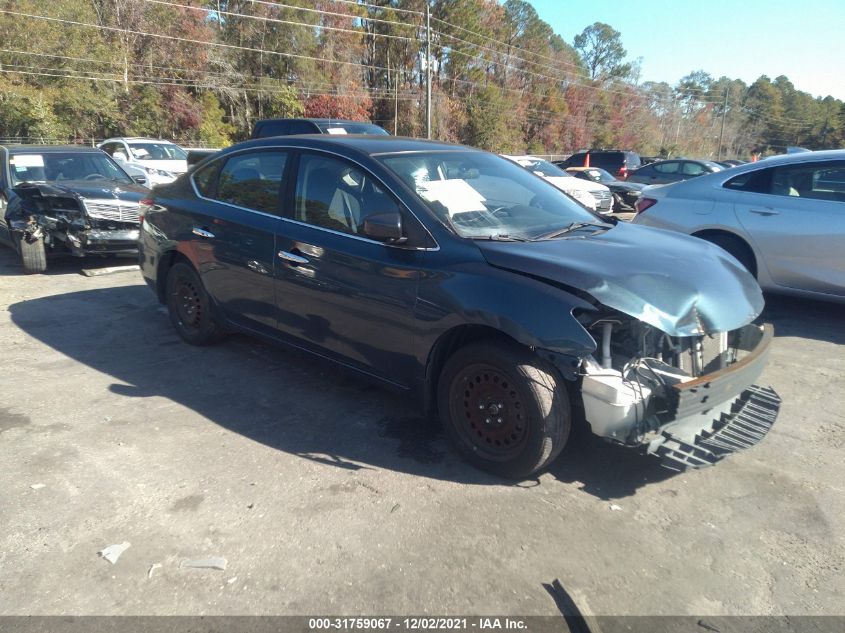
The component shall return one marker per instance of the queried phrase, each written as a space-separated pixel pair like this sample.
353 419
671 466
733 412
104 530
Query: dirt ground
327 495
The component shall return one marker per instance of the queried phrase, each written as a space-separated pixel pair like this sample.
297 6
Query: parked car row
595 196
85 201
482 285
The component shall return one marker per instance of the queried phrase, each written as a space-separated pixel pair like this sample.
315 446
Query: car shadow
286 399
63 264
805 318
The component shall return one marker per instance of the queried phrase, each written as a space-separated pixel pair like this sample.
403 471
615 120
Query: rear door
795 215
338 291
234 238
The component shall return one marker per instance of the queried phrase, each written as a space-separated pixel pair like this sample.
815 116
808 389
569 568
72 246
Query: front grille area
114 210
603 199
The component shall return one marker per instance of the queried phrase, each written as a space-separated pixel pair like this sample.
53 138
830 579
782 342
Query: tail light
644 203
144 206
623 172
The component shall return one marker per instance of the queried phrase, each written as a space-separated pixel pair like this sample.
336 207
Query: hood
628 186
173 166
679 284
88 189
565 183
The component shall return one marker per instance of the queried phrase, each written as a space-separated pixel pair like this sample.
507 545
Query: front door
340 292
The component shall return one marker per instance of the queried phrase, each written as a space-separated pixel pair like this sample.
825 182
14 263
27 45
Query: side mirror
119 157
141 180
385 227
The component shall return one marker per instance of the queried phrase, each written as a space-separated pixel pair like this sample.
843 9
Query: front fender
536 314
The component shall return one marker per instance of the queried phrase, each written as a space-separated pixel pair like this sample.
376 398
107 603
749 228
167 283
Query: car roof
799 157
136 138
361 143
317 120
48 149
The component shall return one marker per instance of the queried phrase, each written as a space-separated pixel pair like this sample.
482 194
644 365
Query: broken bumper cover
105 241
720 413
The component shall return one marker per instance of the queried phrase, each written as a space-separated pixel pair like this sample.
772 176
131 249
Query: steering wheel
94 177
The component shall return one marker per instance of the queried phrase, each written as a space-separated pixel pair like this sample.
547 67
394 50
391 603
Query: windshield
540 167
157 151
601 175
62 166
352 128
481 195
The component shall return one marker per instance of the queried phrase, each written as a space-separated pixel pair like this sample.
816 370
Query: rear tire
736 247
189 307
33 256
503 408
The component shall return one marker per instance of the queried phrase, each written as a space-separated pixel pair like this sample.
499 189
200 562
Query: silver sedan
783 218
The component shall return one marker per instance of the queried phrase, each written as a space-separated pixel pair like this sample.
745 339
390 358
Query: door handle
293 258
764 212
202 232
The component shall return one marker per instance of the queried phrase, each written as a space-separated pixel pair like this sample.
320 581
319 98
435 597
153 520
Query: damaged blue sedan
505 308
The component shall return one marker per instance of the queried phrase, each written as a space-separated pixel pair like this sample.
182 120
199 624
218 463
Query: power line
380 8
315 27
333 13
189 40
161 82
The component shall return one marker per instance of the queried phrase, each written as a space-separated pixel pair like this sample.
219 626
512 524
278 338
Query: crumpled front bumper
104 241
722 412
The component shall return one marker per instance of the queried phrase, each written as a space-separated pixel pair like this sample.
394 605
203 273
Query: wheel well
711 233
166 262
449 343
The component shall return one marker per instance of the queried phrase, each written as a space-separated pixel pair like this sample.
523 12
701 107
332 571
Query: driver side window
336 195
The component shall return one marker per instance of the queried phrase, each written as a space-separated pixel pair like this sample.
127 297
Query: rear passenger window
252 180
693 169
758 181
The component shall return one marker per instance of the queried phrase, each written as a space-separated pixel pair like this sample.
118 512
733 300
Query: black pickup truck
288 127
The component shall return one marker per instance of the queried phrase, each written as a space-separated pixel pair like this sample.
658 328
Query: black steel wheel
503 408
189 306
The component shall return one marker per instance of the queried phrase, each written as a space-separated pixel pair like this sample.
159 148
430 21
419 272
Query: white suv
162 161
592 195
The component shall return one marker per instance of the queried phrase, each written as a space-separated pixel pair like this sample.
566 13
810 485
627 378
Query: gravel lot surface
325 494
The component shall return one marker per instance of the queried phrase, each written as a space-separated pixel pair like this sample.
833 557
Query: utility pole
427 69
722 131
396 104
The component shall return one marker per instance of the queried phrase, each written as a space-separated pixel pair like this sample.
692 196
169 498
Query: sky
741 39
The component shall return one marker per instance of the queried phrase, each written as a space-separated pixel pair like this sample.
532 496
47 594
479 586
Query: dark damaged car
455 275
66 199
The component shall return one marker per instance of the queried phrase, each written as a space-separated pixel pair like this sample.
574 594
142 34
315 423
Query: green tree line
203 71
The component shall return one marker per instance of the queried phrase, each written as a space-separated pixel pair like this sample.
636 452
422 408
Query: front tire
503 408
33 255
189 307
